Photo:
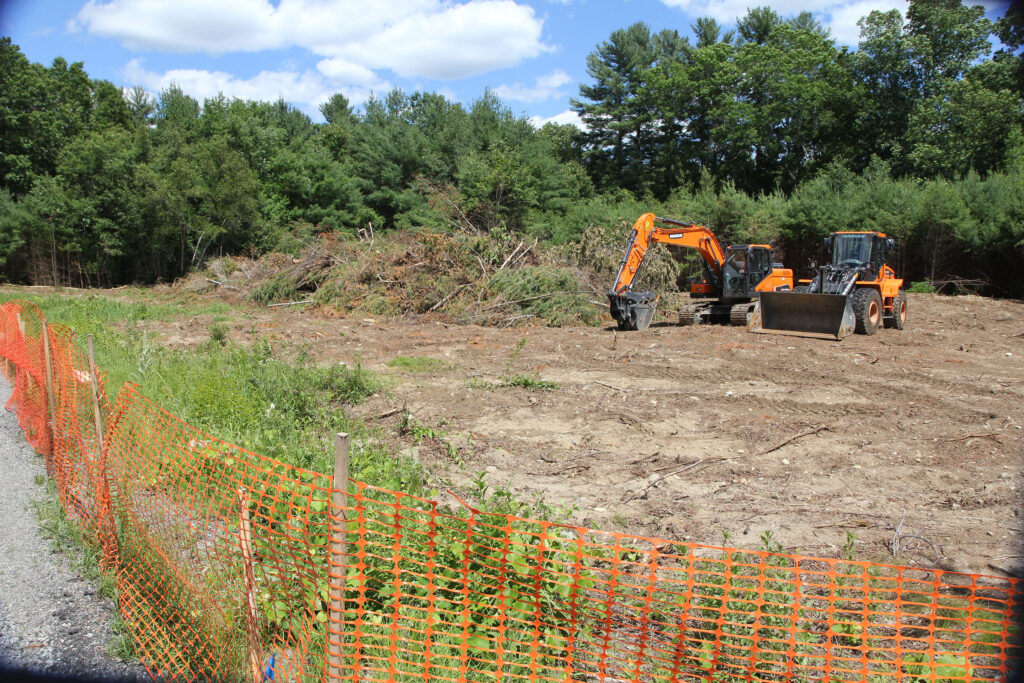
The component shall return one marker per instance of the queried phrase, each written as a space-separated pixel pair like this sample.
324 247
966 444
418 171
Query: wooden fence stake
336 617
95 396
51 404
251 624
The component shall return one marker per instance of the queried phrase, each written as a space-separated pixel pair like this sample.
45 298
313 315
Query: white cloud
307 89
568 116
460 41
340 70
181 26
839 15
429 38
844 19
546 88
447 93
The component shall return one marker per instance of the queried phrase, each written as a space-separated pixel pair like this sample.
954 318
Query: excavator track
689 314
739 315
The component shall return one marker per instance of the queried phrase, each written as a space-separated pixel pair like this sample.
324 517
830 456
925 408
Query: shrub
922 287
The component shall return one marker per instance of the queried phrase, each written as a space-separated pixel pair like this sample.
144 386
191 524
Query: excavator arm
646 233
634 310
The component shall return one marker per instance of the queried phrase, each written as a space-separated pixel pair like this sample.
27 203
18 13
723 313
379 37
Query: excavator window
736 269
760 265
738 259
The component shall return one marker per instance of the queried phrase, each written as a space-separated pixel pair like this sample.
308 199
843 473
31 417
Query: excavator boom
634 310
645 233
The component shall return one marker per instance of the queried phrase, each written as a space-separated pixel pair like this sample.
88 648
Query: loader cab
859 249
745 266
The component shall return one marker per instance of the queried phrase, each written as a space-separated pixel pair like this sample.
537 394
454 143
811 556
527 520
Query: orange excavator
730 280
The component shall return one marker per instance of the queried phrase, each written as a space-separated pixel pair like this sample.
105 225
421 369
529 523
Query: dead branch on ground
820 428
291 303
643 492
445 300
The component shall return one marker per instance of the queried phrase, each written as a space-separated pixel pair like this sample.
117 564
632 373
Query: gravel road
52 623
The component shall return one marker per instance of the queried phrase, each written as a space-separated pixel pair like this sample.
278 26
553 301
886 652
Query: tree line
770 132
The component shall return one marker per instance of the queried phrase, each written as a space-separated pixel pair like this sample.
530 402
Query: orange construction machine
855 291
726 288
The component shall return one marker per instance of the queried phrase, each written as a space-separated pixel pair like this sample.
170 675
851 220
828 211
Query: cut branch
445 300
820 428
643 492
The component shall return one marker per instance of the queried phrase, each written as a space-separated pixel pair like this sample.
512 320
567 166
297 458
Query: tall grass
246 395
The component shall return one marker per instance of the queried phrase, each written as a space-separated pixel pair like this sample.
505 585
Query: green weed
849 547
922 287
218 333
416 363
528 382
768 542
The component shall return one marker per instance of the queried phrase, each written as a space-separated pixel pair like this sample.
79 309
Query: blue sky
531 52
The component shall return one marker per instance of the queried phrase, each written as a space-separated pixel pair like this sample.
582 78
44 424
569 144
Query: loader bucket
819 315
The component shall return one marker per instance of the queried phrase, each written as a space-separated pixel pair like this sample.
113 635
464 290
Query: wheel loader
725 290
855 291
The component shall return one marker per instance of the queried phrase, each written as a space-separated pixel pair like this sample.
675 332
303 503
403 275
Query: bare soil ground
911 440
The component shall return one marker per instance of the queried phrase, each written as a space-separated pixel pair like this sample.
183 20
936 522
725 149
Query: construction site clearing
904 447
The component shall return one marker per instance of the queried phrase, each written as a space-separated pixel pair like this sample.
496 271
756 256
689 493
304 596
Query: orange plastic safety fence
469 597
181 575
21 347
460 595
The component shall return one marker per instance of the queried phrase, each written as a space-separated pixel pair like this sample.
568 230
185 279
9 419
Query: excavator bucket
632 310
819 315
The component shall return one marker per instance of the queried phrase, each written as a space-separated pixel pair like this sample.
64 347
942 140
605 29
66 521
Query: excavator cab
746 265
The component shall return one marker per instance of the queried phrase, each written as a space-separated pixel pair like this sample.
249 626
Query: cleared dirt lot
908 439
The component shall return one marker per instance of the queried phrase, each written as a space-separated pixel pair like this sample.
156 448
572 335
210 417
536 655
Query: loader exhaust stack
819 315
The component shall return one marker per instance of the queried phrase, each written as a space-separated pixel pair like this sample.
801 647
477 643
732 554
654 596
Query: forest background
770 133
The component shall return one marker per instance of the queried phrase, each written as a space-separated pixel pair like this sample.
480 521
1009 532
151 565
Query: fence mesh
415 591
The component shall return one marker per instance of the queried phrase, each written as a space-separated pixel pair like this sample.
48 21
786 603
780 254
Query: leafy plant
922 287
849 548
768 542
529 382
219 334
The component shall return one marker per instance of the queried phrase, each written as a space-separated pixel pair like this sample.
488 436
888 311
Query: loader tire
801 289
867 309
899 312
